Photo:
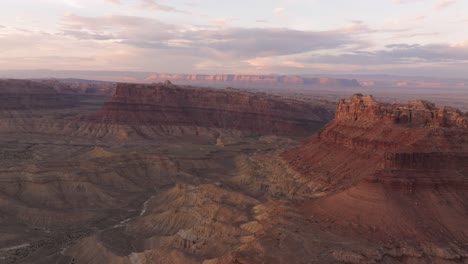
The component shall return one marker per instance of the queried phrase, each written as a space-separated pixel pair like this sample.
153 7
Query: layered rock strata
394 173
170 105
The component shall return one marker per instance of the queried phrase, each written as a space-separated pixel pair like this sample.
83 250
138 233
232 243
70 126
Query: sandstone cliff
255 79
415 113
170 105
394 174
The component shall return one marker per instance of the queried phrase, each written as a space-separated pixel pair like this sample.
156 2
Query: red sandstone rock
170 105
393 172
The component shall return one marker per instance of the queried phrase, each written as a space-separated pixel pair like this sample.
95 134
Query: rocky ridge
170 105
415 113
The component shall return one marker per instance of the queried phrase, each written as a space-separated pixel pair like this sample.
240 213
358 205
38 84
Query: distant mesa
164 104
393 172
254 79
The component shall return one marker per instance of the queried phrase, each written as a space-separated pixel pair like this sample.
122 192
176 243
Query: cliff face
170 105
415 113
26 94
388 137
255 79
400 170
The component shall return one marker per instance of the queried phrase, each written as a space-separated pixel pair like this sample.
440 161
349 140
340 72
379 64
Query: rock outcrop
170 105
415 113
394 174
255 79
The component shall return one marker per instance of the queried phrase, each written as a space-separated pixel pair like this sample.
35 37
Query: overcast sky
407 37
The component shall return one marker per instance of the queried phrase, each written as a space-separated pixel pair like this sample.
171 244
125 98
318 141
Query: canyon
163 173
331 87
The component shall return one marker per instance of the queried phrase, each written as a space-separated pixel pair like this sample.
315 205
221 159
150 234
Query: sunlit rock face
170 105
394 172
416 113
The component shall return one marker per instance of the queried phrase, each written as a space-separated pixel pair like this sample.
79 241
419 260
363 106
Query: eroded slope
396 174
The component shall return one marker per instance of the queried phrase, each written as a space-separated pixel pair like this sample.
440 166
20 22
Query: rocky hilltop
255 79
171 105
416 113
393 173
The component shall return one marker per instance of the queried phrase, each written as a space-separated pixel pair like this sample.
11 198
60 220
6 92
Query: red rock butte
415 113
171 105
393 172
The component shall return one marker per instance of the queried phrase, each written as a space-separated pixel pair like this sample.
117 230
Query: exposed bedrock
170 105
415 113
390 179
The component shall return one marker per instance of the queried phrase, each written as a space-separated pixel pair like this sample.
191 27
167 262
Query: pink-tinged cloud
279 10
442 4
288 36
223 21
113 1
406 1
156 6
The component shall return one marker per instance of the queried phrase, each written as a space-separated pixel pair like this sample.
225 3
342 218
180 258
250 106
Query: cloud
128 41
263 42
87 35
294 64
356 26
113 1
223 21
442 4
279 10
399 54
399 2
156 6
120 27
405 20
222 42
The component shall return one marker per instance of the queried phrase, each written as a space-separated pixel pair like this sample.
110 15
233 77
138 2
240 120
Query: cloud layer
145 35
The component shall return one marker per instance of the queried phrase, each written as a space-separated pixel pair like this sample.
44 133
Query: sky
400 37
